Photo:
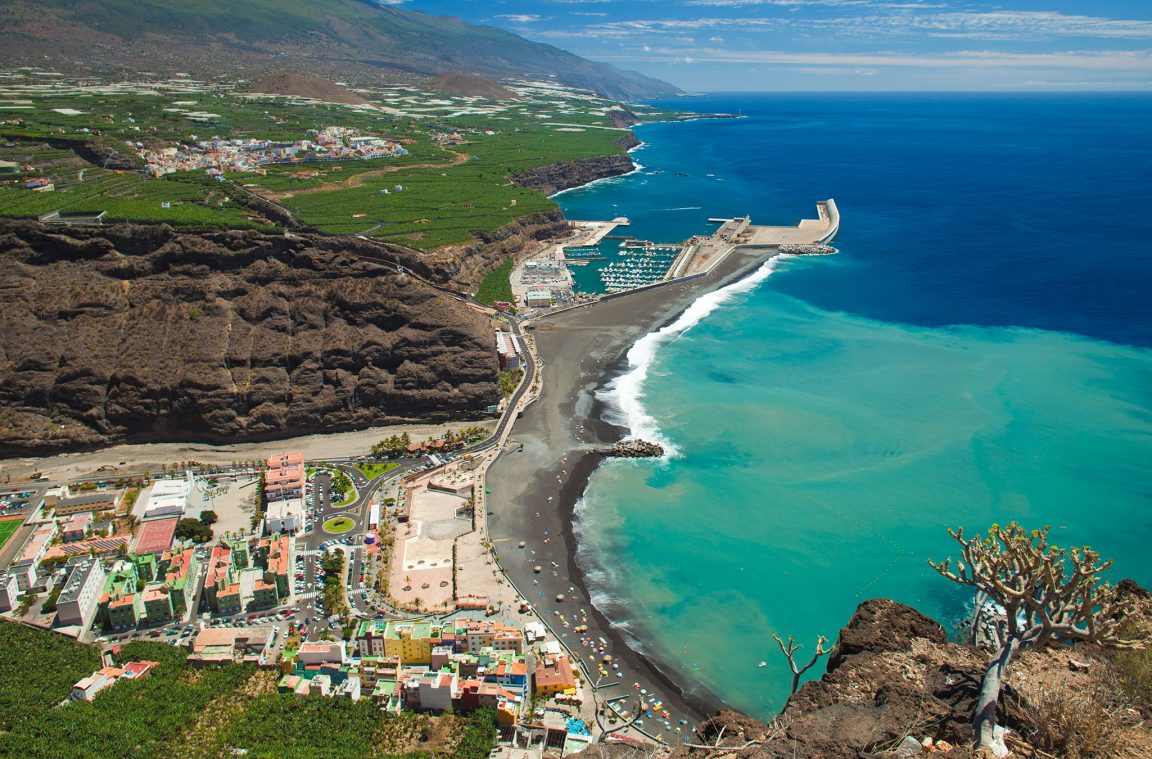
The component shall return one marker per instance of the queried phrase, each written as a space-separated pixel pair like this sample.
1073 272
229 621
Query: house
86 689
9 592
409 641
225 645
434 690
76 527
553 675
26 566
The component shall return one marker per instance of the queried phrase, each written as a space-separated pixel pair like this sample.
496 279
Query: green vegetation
37 671
338 525
49 604
177 711
137 718
510 380
343 491
209 517
496 285
194 530
287 726
1134 670
453 183
375 470
392 447
335 602
8 528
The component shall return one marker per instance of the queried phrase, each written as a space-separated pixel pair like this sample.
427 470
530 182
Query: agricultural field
453 182
37 670
496 285
137 718
8 528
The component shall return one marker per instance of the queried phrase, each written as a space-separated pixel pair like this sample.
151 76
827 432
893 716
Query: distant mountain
349 40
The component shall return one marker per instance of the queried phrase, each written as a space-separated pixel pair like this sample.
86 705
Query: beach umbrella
559 597
537 569
521 544
607 657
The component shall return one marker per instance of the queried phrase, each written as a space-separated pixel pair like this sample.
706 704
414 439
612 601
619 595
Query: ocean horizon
978 351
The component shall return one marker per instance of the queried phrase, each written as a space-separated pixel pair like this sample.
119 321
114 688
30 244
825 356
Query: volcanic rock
140 333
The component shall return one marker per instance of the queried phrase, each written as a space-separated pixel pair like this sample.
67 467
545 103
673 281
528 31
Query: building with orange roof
553 675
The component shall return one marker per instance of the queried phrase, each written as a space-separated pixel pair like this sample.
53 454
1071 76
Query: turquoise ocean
980 350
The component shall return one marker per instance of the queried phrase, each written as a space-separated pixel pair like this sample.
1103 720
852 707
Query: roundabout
339 525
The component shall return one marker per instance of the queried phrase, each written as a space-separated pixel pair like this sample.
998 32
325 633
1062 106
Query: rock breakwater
634 449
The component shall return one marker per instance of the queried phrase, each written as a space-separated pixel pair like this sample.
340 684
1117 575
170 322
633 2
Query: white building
284 516
168 498
26 567
9 592
436 690
77 602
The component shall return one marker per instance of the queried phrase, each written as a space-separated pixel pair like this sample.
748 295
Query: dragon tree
1046 594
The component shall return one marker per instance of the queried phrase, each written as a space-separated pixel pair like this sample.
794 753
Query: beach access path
544 467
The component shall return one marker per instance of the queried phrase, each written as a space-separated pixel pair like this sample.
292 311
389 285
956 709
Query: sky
772 45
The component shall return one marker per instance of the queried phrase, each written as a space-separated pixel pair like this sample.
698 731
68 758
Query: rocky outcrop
565 175
142 333
891 675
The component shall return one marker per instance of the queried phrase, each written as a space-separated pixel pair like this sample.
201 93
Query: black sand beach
542 473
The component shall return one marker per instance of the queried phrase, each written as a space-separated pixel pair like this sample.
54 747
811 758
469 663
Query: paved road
309 544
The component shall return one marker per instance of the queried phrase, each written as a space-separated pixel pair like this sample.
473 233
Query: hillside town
330 143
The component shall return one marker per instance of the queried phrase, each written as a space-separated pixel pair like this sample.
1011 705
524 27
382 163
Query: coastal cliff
464 266
131 333
565 175
896 687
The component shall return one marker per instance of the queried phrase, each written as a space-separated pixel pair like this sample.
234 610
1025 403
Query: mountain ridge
344 38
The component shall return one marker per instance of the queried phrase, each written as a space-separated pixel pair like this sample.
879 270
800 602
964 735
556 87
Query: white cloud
1072 59
993 25
520 18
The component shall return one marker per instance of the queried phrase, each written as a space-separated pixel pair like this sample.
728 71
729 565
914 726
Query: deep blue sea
980 350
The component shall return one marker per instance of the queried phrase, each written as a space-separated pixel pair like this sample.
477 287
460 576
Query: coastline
542 473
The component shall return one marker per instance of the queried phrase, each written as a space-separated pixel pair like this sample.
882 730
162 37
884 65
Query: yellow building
411 642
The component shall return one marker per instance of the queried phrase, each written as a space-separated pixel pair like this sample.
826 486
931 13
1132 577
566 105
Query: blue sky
718 45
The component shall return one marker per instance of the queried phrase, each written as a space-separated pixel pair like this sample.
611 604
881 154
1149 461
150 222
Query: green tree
209 517
194 530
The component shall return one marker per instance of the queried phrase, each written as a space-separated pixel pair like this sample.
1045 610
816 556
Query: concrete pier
700 254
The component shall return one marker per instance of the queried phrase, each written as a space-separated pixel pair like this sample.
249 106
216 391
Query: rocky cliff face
464 266
142 333
568 174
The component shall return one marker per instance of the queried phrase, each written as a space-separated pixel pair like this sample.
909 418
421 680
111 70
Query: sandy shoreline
535 487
